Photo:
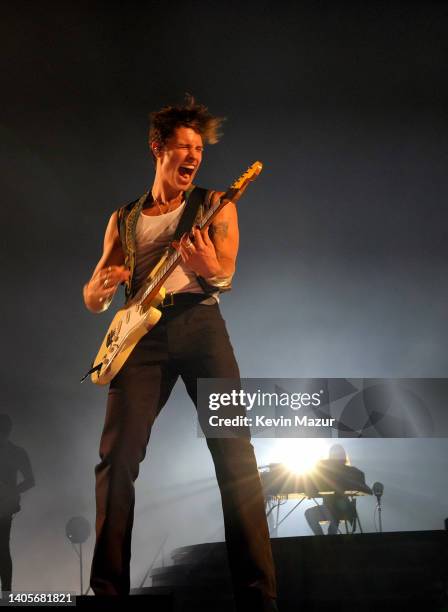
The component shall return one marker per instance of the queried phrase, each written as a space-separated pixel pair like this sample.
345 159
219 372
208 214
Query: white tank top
152 236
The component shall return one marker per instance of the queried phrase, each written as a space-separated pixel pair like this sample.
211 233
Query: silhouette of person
13 461
334 507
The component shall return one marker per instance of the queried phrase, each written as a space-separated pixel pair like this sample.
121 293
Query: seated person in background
335 507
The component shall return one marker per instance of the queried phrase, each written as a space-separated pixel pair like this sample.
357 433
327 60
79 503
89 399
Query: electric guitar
141 314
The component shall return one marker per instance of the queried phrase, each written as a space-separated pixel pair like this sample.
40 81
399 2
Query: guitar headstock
250 175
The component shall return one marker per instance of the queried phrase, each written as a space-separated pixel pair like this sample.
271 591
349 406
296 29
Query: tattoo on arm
220 230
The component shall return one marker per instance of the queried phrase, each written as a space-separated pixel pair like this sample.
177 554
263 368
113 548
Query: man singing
190 341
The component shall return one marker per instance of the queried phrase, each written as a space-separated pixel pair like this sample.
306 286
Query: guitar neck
174 258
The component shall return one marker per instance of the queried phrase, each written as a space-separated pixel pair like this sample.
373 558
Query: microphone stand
379 514
378 489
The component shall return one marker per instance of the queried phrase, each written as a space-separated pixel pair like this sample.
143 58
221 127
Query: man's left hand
199 253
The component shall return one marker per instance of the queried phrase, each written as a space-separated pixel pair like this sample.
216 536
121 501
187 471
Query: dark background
343 237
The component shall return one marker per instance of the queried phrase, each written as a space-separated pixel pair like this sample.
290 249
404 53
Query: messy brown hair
191 115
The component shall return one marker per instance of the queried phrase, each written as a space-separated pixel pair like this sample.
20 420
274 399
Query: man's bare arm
225 237
109 271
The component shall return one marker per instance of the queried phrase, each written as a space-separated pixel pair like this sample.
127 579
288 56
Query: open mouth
186 172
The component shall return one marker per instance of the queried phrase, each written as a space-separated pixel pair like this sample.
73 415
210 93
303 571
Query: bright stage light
298 455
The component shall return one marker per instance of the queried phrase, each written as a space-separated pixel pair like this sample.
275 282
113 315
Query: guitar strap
195 198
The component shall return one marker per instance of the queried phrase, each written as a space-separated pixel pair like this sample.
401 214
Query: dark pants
334 508
317 514
192 343
5 553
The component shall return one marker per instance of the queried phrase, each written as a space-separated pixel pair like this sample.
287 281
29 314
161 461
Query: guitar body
128 326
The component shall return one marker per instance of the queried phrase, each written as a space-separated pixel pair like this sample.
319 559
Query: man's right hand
99 291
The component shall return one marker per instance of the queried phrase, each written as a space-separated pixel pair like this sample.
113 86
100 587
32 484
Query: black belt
182 299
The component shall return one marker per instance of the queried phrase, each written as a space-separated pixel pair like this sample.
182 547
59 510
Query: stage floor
398 570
